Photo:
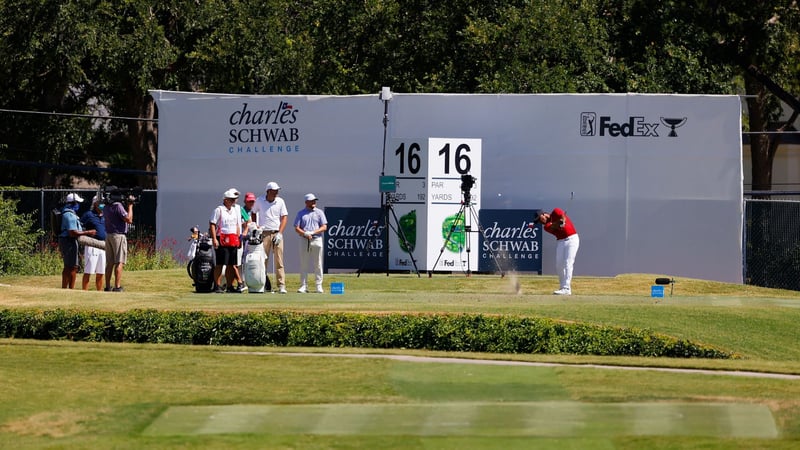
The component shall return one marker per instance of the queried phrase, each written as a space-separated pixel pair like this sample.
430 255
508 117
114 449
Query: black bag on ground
201 267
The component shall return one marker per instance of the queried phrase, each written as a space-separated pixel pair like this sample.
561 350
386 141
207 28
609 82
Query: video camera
128 196
467 183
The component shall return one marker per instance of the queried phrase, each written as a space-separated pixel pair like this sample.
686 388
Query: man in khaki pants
271 216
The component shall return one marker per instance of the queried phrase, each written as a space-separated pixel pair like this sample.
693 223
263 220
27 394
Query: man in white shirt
271 216
225 227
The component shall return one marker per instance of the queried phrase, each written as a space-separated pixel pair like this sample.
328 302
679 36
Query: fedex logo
635 126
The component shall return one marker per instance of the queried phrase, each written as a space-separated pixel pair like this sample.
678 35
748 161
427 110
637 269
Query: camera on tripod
128 196
467 183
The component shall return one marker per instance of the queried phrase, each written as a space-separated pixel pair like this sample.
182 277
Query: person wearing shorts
226 221
117 218
94 259
68 240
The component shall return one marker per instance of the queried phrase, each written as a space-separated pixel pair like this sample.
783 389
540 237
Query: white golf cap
231 193
273 186
73 197
310 197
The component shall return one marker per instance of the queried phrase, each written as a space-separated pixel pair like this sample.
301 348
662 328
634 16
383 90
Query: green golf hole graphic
458 237
408 225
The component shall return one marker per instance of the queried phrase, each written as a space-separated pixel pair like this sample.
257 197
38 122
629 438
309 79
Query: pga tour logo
635 126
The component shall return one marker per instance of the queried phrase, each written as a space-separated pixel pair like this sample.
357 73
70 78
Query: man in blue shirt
68 240
94 259
310 224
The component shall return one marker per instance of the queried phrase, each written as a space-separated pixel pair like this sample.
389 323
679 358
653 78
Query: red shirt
555 219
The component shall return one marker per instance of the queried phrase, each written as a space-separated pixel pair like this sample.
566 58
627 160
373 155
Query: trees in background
102 57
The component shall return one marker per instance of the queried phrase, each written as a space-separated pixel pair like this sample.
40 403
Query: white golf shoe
562 292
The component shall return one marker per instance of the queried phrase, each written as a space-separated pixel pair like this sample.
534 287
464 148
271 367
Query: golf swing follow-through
560 225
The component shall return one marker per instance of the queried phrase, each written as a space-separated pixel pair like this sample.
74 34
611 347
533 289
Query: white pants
310 253
566 250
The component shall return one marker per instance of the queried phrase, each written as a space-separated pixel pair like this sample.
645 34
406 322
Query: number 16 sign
431 175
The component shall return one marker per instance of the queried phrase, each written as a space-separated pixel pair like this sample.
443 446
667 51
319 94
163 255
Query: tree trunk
143 138
762 153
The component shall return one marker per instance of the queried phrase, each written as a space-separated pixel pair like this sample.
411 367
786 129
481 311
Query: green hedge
446 332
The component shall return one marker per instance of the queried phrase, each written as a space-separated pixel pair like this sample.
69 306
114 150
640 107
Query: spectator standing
94 259
68 240
310 224
117 218
271 216
225 228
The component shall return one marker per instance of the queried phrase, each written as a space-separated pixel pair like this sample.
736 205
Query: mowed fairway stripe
544 419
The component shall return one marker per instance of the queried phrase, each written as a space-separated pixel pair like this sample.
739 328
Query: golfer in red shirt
560 225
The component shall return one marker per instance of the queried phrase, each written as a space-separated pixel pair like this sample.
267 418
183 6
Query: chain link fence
772 243
40 202
771 238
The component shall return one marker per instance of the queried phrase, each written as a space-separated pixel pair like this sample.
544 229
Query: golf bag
254 267
201 266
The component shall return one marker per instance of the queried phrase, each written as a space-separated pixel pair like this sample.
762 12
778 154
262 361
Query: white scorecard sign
436 203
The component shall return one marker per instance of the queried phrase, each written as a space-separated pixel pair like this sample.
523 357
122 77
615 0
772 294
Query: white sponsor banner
652 182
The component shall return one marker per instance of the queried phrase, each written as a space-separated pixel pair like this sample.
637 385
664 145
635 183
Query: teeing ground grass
517 402
529 419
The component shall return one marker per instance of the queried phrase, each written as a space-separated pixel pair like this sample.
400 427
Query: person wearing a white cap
271 216
310 224
94 259
117 217
225 228
68 239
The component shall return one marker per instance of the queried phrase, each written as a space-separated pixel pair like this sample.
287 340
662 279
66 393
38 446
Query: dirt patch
53 424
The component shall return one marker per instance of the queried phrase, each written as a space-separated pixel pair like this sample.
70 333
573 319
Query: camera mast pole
386 97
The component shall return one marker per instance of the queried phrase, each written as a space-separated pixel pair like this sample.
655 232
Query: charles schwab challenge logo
362 239
634 126
255 131
511 242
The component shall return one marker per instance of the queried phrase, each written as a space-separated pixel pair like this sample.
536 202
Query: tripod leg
401 234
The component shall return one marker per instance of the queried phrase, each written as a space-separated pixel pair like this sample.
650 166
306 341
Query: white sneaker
320 290
282 290
562 292
302 290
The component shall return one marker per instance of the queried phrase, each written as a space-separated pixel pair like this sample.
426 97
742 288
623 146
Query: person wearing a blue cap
310 224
